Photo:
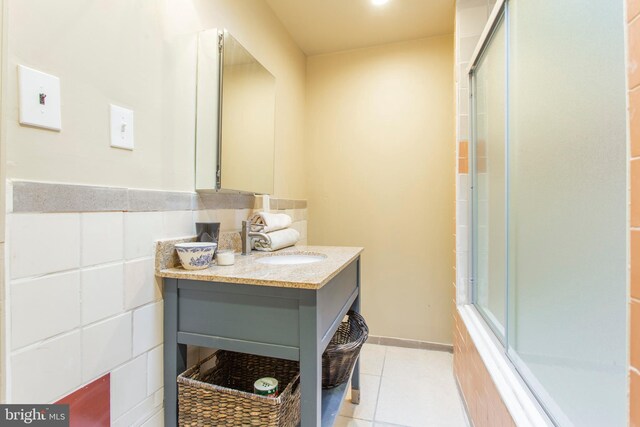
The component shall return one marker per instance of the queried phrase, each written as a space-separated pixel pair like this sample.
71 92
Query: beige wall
380 134
141 55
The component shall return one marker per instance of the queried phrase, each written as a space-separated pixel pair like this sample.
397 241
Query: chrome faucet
247 236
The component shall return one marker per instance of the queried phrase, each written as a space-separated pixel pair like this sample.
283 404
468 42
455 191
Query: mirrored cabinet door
235 134
207 111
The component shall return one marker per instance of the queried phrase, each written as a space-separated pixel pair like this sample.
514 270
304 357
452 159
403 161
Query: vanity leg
175 355
355 384
310 363
355 376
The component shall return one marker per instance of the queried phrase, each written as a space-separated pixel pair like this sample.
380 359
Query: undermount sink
291 259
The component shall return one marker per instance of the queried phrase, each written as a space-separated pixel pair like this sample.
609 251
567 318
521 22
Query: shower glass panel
567 207
488 105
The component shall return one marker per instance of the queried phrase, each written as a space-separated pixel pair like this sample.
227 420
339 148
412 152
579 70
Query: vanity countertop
249 272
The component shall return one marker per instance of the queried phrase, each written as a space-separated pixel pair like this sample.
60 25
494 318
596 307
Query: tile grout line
375 409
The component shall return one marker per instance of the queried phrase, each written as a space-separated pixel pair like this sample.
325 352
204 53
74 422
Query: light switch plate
121 127
39 99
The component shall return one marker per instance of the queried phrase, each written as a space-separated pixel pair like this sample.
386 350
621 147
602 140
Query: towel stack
276 227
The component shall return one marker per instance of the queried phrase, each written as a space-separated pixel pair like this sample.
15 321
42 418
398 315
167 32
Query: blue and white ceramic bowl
196 255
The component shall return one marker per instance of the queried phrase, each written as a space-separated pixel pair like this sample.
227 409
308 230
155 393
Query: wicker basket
343 350
223 395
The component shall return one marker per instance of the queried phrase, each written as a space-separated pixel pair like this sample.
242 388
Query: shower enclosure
549 191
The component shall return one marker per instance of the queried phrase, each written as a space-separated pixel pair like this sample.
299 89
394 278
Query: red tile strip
90 406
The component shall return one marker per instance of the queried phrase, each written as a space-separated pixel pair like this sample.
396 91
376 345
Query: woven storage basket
223 395
343 350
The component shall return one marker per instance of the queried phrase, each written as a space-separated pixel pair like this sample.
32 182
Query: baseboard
401 342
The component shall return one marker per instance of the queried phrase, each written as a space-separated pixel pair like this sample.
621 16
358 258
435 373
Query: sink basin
291 259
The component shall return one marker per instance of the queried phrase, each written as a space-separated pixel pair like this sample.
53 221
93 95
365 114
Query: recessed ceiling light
379 2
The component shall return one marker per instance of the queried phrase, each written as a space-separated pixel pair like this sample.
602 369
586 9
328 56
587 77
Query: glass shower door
567 207
489 200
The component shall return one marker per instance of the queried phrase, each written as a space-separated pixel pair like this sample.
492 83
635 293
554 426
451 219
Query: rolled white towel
267 222
279 239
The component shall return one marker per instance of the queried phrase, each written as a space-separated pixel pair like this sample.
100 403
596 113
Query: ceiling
322 26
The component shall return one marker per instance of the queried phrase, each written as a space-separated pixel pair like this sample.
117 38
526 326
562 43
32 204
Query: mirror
235 140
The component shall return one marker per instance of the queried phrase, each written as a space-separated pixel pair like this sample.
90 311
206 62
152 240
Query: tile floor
404 387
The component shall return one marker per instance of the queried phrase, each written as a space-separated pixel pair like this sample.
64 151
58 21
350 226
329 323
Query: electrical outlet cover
121 127
39 98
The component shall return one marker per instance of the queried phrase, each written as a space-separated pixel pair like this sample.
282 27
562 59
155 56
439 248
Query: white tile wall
177 224
462 73
141 229
85 301
140 285
241 215
462 188
462 276
462 238
102 237
68 296
155 369
467 46
42 308
46 371
128 386
463 128
462 210
138 414
105 345
470 21
202 216
227 219
463 101
463 4
102 292
147 328
155 421
43 244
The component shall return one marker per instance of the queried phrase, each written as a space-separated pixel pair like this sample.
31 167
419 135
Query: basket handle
295 386
196 368
360 320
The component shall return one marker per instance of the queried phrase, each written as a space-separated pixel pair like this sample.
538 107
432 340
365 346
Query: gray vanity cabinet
283 322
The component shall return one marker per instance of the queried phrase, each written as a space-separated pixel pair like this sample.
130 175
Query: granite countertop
247 271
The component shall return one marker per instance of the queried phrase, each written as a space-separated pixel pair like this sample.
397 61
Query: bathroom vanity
268 307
